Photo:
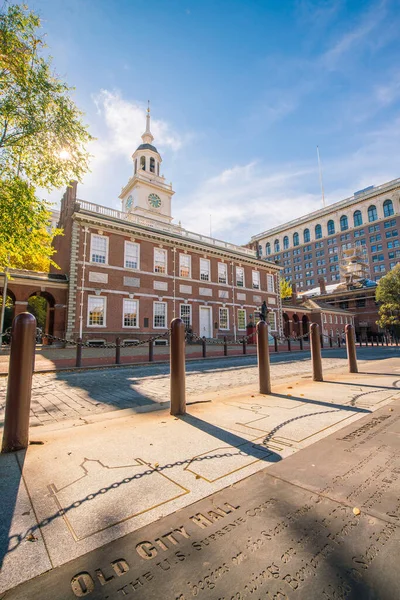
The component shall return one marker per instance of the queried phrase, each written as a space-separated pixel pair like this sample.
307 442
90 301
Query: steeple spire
147 137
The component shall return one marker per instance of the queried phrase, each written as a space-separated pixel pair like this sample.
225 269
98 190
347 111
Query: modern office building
318 244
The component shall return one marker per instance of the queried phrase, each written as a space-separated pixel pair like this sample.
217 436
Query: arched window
267 248
295 239
344 223
318 232
276 246
331 227
388 208
158 168
306 235
372 213
357 218
143 163
152 165
135 165
260 250
285 242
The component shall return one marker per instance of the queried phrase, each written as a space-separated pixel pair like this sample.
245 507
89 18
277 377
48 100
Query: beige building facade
312 246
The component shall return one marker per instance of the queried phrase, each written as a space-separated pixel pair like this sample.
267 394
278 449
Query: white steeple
147 137
147 194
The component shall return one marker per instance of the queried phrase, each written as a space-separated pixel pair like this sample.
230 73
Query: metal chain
48 336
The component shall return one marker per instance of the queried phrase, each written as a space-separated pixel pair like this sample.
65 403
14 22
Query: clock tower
147 194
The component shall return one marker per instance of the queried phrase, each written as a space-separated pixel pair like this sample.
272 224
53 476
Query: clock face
154 200
129 202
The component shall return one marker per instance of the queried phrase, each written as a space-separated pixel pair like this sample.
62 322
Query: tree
24 227
285 289
388 295
42 138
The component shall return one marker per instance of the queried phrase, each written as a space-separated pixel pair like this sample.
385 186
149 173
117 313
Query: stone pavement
83 487
331 533
77 395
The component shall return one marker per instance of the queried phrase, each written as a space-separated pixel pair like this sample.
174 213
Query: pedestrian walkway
85 486
63 396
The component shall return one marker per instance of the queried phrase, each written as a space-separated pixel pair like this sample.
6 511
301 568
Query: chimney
294 293
322 285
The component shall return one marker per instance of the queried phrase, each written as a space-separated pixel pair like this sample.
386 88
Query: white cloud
244 200
125 122
372 19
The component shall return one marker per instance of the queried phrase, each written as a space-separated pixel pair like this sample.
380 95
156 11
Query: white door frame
209 309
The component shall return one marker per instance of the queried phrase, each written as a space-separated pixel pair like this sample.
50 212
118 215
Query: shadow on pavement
11 466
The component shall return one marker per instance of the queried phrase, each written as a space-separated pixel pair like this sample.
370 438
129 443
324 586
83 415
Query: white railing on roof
164 227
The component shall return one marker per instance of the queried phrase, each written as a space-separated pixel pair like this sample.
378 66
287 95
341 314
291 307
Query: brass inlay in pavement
106 496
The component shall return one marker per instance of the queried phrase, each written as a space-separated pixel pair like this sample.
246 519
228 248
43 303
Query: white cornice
171 239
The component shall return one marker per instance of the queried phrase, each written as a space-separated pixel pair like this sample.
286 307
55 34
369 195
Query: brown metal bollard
351 349
276 343
316 352
118 351
321 340
289 345
78 362
204 345
151 350
225 346
301 343
18 403
244 342
263 358
178 372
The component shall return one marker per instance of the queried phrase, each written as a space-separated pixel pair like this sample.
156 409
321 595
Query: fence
23 333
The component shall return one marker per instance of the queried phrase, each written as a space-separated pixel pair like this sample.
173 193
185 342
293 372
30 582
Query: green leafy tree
42 138
285 289
388 295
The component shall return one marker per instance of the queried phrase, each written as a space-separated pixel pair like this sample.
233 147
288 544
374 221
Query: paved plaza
63 395
78 488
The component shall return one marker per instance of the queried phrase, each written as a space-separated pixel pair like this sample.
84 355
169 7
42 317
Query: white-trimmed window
186 314
330 319
185 265
132 251
159 315
256 280
239 277
222 273
130 313
325 319
97 306
270 283
99 249
241 319
160 260
204 269
223 318
272 320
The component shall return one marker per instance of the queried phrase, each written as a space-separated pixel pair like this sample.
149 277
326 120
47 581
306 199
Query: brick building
131 271
313 245
359 300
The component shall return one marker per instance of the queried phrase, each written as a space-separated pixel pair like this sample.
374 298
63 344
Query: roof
336 287
325 306
147 147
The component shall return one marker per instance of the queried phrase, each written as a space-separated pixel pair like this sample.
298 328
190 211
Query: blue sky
241 95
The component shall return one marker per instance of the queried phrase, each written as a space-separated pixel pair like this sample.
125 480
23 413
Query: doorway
205 321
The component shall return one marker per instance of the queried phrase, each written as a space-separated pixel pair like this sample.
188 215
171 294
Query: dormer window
143 163
152 165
